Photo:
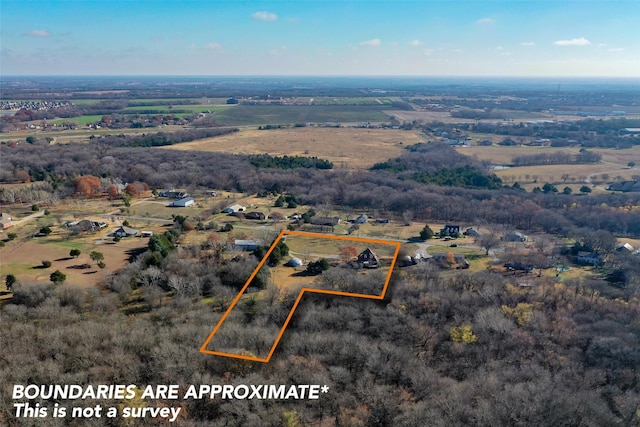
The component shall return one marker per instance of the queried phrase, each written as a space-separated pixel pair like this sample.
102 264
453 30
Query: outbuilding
185 202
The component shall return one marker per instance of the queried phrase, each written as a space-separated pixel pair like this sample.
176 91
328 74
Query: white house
590 258
233 209
247 245
124 231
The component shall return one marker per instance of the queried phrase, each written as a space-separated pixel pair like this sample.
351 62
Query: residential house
450 230
472 232
185 202
5 221
174 194
255 215
368 259
247 245
87 226
515 236
321 220
625 186
590 258
362 219
233 208
625 248
124 231
450 260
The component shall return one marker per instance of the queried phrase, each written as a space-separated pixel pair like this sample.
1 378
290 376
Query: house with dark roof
255 215
515 236
368 259
450 230
321 220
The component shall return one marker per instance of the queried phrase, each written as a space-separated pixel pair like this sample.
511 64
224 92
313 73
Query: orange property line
203 348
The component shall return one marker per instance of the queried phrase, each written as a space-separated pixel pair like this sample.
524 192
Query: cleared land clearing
25 259
445 116
345 147
613 163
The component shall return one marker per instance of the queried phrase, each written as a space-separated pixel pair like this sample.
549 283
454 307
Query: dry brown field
23 259
614 164
345 147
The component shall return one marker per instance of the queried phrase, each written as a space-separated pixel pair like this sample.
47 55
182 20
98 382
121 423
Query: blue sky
430 38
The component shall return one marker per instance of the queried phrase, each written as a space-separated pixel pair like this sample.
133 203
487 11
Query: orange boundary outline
203 348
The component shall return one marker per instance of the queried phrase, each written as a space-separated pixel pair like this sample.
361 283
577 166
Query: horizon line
466 76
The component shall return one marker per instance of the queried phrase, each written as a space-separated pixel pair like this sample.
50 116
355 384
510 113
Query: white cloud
573 42
279 51
264 16
486 21
415 43
38 33
616 49
371 43
527 44
214 46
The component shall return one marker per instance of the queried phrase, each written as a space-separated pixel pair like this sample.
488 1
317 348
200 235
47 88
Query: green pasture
291 114
81 120
330 100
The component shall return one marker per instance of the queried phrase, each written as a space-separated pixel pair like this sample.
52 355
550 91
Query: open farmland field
345 147
290 114
166 109
613 163
445 116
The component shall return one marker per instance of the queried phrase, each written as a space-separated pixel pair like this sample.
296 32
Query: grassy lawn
82 120
290 114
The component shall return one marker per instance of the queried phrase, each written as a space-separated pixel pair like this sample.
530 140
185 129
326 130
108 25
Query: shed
5 221
184 202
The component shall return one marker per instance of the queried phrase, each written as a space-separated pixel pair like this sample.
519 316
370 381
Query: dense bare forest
382 190
465 349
